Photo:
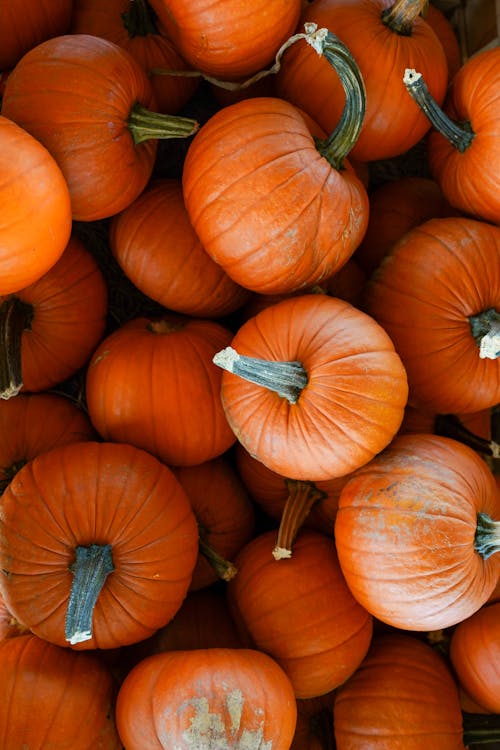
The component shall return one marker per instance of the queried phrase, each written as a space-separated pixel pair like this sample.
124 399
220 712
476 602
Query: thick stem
287 379
485 328
301 498
145 125
225 569
90 569
460 135
15 318
401 16
449 425
139 19
481 729
487 537
341 141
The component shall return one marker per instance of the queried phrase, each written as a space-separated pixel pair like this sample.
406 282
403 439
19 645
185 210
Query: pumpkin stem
487 536
480 729
460 135
401 16
302 496
449 425
15 318
287 379
341 141
7 473
225 569
485 328
139 19
91 567
145 125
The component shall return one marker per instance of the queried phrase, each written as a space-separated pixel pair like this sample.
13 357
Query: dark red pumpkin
98 543
26 23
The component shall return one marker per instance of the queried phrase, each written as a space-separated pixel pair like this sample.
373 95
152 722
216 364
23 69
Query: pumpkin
403 697
166 398
443 324
36 422
300 611
86 100
474 654
312 387
157 248
26 23
225 516
314 730
133 25
54 697
34 195
463 145
416 532
228 40
276 208
9 626
98 543
383 36
206 698
447 35
50 328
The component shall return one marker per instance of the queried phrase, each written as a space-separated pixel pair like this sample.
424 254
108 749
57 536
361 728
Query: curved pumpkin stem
15 318
480 729
487 537
225 569
459 135
145 125
485 328
90 569
301 498
287 379
449 425
401 16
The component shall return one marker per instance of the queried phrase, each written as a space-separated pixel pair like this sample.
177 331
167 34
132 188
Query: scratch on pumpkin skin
96 361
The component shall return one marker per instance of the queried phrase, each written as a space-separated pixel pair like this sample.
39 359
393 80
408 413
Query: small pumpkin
206 698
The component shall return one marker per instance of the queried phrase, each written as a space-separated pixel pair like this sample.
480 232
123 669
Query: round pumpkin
98 543
206 698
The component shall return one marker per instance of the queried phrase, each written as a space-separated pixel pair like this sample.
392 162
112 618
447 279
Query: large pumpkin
330 389
97 545
417 531
205 699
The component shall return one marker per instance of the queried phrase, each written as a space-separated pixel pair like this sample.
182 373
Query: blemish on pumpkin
208 728
96 361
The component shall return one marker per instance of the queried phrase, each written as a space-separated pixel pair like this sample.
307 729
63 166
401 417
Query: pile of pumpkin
266 516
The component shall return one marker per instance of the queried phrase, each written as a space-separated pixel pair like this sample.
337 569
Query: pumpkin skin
34 195
74 93
166 399
26 23
405 533
265 204
428 315
67 309
474 653
72 685
9 626
402 697
352 405
131 25
36 422
470 179
158 250
447 35
300 611
197 700
392 124
97 493
228 39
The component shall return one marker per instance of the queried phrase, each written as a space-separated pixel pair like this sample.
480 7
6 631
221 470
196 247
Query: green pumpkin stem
302 496
401 16
449 425
487 537
287 379
340 142
460 135
481 729
145 125
90 569
139 19
15 318
485 329
225 569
